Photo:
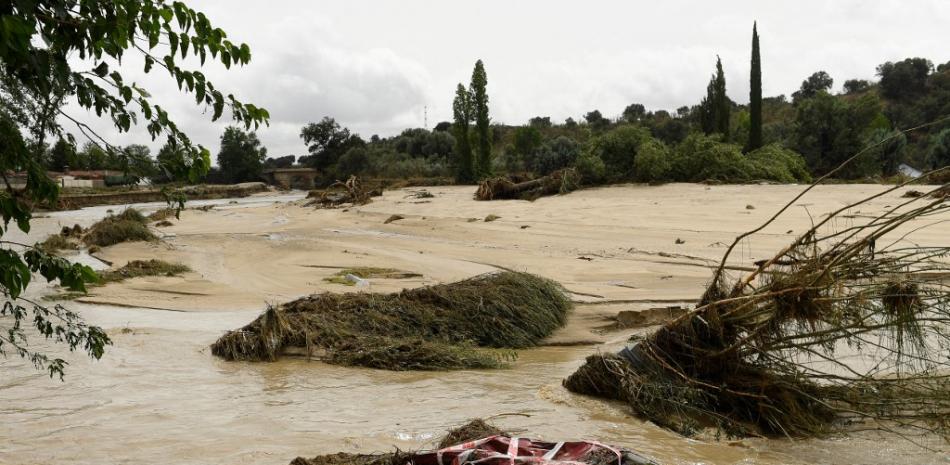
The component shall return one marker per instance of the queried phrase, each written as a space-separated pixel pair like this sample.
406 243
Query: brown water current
159 397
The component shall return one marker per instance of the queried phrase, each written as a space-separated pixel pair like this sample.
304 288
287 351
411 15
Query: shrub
776 163
591 168
653 162
554 155
618 148
127 226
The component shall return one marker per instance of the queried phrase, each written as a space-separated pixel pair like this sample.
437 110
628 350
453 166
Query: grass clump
57 242
128 226
368 273
140 268
475 429
437 327
163 214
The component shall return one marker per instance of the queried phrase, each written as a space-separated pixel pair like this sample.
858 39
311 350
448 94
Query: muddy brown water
159 397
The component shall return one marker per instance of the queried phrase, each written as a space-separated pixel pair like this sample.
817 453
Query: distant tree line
770 138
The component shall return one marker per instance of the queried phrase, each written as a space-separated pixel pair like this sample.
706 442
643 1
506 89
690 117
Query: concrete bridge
292 178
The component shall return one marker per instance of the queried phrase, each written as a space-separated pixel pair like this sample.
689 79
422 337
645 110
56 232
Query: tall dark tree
755 95
241 157
483 134
714 109
722 102
462 110
62 156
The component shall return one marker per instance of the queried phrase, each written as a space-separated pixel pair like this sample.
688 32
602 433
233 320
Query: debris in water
492 217
482 444
394 218
446 326
773 352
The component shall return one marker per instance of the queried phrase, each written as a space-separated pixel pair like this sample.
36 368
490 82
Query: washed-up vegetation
350 192
140 268
127 226
162 214
365 272
845 327
57 242
558 182
467 324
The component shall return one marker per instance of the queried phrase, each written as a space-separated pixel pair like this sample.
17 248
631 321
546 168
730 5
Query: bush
554 155
618 148
591 168
653 162
776 163
700 158
128 226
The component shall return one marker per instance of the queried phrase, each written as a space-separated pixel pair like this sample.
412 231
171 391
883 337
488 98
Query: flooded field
158 396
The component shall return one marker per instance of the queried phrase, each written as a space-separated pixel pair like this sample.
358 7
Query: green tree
92 157
618 149
888 147
482 121
241 158
355 161
56 52
755 95
462 110
526 140
904 79
327 141
829 130
819 81
715 107
553 155
596 120
634 112
173 164
62 156
722 102
137 161
939 154
856 86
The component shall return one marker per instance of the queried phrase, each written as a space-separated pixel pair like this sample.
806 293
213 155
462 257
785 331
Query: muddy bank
73 201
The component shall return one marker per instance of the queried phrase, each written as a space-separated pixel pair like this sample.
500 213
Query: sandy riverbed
159 397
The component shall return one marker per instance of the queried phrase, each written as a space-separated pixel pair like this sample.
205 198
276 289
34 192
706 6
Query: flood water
159 397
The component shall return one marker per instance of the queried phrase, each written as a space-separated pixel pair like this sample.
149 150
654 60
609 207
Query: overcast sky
375 65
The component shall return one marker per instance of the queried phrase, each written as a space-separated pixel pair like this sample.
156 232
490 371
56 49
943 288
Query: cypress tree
462 108
707 108
755 95
721 102
482 128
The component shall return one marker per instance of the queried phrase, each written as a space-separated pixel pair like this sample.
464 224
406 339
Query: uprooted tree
56 52
849 325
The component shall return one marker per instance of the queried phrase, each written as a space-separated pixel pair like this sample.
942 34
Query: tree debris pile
351 192
481 443
558 182
844 328
466 324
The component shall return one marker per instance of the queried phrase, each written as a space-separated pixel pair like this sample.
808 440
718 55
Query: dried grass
447 326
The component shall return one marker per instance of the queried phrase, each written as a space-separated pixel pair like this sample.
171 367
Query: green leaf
102 69
148 63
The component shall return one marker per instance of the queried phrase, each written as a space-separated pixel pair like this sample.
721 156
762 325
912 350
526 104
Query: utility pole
425 116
